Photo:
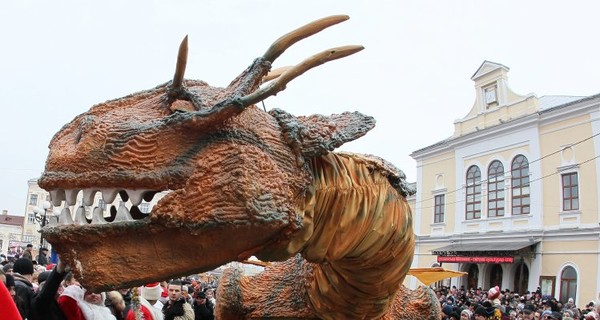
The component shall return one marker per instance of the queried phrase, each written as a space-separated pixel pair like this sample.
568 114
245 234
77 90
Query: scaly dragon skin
242 182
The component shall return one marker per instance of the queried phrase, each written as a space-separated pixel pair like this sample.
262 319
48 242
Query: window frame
496 179
569 281
570 187
439 208
473 183
491 89
33 199
522 177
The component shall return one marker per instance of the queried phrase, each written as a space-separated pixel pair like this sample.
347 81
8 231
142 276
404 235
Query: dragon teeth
65 217
135 196
76 208
88 196
57 196
109 195
123 214
80 216
71 196
98 216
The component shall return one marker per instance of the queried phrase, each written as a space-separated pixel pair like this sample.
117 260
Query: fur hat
10 280
7 267
152 291
43 276
494 293
447 310
23 266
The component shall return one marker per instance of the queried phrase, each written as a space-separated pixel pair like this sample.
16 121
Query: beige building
37 198
11 229
513 196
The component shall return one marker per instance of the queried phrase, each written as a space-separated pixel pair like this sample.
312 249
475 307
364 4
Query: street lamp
41 219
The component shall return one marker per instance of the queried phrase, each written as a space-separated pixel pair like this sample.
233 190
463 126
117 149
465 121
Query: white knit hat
152 291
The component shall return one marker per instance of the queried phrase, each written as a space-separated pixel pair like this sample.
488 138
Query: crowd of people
34 291
497 304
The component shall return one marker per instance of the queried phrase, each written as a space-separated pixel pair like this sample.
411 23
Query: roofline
540 112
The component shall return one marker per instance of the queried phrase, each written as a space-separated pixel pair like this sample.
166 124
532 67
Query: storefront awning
430 275
490 248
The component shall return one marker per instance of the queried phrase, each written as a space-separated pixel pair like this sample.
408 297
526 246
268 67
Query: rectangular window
28 238
490 95
33 199
570 190
440 201
30 218
473 202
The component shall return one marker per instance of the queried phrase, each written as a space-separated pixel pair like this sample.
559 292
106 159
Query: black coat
44 305
202 312
23 295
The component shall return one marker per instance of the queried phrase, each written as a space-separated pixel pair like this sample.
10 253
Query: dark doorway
473 277
496 276
521 278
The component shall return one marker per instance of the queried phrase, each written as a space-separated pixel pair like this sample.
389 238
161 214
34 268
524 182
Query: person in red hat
147 300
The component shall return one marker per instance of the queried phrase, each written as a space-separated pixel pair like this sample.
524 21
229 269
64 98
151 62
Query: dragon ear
317 135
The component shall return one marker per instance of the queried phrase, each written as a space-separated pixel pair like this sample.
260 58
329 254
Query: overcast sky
58 58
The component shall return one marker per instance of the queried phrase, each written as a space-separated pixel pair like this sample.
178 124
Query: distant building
36 197
11 228
512 196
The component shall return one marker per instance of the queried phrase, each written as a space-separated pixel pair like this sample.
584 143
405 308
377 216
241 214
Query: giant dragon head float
237 175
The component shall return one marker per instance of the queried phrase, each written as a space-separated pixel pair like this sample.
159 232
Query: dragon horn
181 63
279 84
288 39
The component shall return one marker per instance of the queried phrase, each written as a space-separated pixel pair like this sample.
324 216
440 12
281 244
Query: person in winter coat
44 305
78 304
201 309
23 274
176 308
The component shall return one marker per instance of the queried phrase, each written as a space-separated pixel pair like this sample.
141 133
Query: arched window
473 277
568 284
496 276
496 189
520 185
521 281
473 200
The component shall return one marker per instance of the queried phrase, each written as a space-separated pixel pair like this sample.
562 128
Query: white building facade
512 196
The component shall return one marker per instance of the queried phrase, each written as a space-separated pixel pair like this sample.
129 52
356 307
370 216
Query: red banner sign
461 259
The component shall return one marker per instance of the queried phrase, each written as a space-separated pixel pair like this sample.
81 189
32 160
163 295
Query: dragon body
242 182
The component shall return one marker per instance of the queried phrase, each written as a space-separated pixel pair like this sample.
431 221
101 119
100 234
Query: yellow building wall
555 137
582 255
424 257
444 165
